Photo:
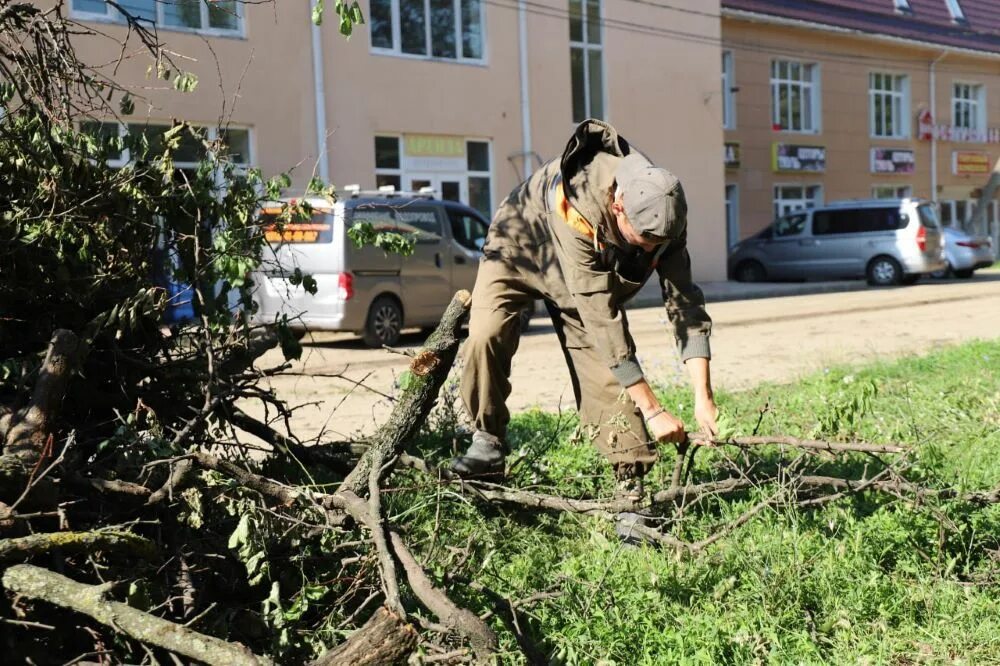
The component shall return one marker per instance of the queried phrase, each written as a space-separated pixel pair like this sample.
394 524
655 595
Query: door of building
449 187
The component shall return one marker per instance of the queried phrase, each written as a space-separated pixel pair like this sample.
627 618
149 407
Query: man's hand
665 427
706 413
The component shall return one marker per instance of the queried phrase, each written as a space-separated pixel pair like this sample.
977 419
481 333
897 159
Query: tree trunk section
383 640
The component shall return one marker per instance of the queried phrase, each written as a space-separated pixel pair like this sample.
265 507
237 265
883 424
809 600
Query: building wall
845 62
262 81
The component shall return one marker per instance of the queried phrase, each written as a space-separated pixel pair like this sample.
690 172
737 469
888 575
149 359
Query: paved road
769 339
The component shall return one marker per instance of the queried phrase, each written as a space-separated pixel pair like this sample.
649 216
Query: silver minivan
365 290
887 241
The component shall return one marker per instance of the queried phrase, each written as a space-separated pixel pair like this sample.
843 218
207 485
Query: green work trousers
608 416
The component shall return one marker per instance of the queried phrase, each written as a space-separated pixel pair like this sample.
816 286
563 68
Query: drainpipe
933 84
522 33
319 92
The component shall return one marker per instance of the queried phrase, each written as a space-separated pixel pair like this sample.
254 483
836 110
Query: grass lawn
871 579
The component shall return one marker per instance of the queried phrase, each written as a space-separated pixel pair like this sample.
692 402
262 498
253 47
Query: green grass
863 580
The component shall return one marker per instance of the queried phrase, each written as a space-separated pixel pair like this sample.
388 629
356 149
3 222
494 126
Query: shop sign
433 145
970 164
892 161
732 155
927 131
798 159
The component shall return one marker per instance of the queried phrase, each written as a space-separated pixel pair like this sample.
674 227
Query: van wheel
385 321
964 274
750 271
884 272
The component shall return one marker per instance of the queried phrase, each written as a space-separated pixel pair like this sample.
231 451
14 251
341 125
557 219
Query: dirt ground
754 341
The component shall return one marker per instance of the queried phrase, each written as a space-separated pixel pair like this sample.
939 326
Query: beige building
850 99
465 96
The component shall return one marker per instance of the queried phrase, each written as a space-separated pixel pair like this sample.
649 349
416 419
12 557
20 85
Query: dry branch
37 583
77 542
460 620
810 444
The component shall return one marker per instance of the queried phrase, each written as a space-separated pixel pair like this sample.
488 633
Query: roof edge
773 19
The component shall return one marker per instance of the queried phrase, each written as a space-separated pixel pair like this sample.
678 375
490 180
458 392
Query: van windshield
285 227
928 216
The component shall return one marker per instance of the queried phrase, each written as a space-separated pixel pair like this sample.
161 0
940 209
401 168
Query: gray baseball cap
654 199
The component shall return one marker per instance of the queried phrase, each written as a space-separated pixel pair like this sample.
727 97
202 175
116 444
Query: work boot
629 488
484 457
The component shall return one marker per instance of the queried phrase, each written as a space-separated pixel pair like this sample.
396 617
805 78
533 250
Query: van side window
790 225
380 217
424 222
467 230
857 220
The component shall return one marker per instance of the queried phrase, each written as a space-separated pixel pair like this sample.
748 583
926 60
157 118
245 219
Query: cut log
37 583
383 640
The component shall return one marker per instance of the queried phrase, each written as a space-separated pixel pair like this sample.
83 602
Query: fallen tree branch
428 371
37 583
811 444
77 542
464 622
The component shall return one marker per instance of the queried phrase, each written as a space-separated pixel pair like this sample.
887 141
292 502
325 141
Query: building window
968 106
478 163
902 6
889 105
586 59
957 15
728 88
222 17
795 96
788 198
388 169
233 142
891 192
445 29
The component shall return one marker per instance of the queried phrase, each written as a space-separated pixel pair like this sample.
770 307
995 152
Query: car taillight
922 238
345 286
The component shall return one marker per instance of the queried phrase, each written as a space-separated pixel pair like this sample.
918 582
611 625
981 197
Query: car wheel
942 274
964 274
884 272
385 321
750 271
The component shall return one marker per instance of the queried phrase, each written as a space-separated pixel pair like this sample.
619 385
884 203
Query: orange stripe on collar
572 216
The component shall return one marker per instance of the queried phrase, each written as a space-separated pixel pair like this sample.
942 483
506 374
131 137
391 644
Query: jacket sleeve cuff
696 346
628 372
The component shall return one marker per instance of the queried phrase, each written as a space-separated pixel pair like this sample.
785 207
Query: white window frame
976 101
385 171
817 200
896 191
810 88
897 99
728 86
587 48
111 15
955 10
482 174
397 37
